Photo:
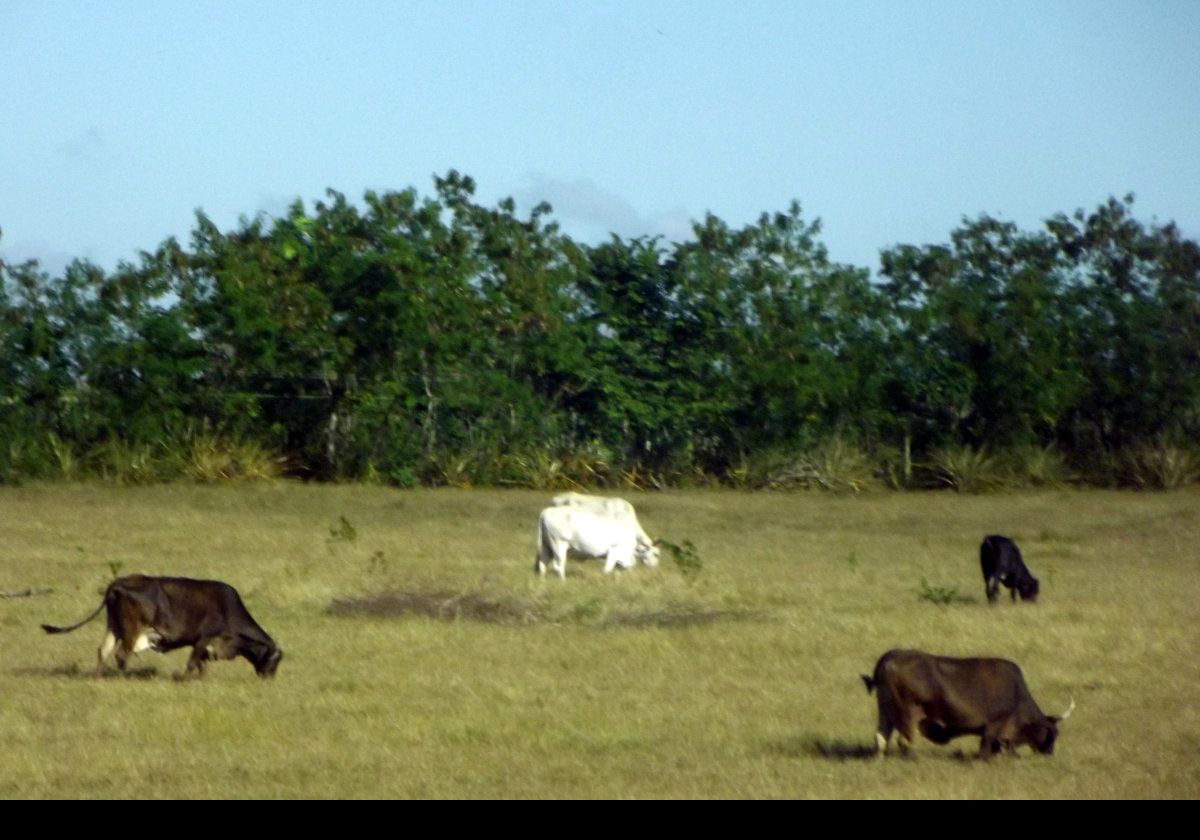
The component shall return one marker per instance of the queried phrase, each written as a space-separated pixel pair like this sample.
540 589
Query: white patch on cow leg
105 650
881 743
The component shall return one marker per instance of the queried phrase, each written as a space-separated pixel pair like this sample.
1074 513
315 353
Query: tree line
432 339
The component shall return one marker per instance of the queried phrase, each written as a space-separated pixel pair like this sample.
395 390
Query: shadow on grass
73 671
837 749
440 604
815 746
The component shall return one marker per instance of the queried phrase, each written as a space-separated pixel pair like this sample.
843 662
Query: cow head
648 554
264 656
1041 734
1028 588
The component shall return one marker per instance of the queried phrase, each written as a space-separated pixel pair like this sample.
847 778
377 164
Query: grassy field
425 659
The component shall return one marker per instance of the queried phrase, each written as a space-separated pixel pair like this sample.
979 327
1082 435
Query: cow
165 613
613 506
944 698
1001 562
592 533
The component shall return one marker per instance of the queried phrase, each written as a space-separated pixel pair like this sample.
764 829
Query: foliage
941 595
407 338
966 470
686 557
1161 465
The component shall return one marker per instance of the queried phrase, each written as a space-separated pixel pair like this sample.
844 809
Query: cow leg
104 651
884 729
195 666
905 723
990 741
122 655
560 562
993 590
882 735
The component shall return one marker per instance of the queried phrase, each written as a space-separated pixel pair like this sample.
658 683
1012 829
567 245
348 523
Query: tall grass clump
835 465
210 458
66 463
122 462
1159 465
21 457
967 470
1035 466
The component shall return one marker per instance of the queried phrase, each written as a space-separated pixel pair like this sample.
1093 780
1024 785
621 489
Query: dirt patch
448 605
445 605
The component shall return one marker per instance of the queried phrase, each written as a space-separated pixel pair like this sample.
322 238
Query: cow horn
1070 709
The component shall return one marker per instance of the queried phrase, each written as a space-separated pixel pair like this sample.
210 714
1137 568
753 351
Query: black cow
165 613
945 697
1001 562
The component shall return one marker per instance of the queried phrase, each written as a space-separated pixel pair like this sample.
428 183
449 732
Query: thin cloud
85 145
584 207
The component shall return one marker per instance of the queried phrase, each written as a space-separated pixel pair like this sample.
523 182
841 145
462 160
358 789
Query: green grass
740 680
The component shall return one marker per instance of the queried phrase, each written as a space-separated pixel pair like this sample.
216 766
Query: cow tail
49 628
870 683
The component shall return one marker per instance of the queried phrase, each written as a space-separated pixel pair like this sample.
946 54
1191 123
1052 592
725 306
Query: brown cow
164 613
945 697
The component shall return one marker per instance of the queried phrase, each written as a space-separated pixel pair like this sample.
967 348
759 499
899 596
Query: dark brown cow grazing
945 697
165 613
1001 562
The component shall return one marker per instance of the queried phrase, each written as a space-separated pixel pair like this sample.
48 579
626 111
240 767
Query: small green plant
852 561
587 611
342 531
941 595
687 559
378 563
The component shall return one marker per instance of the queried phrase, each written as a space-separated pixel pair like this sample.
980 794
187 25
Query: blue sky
890 121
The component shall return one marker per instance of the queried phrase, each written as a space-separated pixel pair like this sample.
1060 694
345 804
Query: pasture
423 657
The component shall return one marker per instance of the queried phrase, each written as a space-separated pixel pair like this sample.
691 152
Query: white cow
617 508
592 533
